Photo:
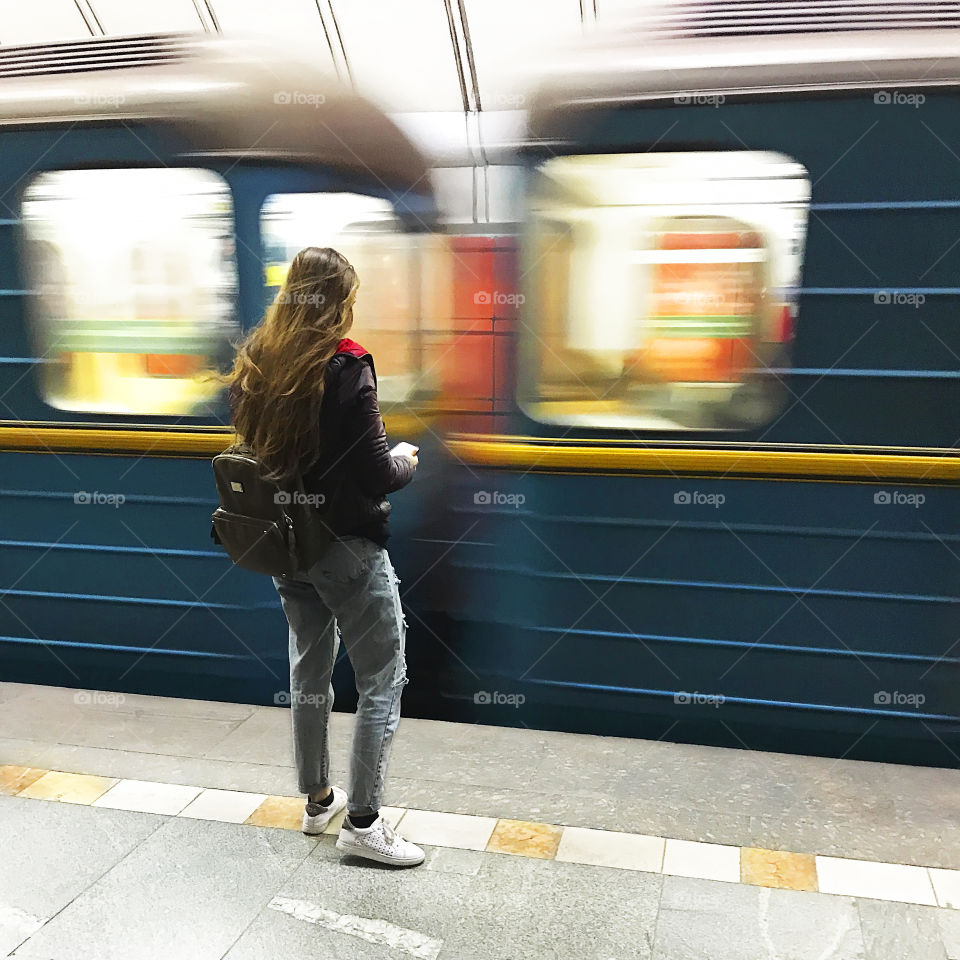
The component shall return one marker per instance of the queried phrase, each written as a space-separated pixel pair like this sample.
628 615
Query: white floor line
948 875
418 945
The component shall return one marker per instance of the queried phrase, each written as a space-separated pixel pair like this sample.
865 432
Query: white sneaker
316 816
378 842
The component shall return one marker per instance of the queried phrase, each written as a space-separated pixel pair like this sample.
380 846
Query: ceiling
407 55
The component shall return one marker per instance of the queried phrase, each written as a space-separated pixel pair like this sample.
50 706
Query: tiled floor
447 829
82 880
878 881
146 797
67 787
742 798
779 869
210 788
705 861
230 806
604 848
525 839
946 884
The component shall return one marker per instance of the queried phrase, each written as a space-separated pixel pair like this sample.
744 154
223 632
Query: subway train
714 495
154 188
688 420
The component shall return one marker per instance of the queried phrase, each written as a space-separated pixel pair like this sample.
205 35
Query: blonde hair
277 380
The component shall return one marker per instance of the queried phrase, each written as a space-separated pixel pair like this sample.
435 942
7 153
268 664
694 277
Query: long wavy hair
276 384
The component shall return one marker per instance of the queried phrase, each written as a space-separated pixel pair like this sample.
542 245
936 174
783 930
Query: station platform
138 827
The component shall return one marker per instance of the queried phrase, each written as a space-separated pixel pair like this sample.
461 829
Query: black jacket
355 465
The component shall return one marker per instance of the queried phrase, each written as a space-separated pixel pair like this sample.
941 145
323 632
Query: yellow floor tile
68 787
525 839
14 779
283 812
777 868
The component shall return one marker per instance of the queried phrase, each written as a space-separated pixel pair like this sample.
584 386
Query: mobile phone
404 449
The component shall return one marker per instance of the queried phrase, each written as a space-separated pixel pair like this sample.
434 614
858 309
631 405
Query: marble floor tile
705 861
283 812
525 839
148 797
946 885
447 829
606 848
13 779
778 868
229 806
879 881
68 787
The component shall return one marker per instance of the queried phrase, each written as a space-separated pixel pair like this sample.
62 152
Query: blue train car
717 498
688 430
153 190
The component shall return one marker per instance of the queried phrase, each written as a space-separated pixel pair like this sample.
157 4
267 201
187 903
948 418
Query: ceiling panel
41 20
123 17
294 22
293 25
510 37
400 52
297 20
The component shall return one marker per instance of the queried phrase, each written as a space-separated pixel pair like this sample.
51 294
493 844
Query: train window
135 284
367 231
662 287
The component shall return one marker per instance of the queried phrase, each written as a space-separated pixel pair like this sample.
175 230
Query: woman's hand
408 450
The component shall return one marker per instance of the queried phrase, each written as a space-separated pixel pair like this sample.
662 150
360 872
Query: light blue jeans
350 593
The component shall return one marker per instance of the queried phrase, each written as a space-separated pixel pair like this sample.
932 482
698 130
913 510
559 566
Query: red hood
346 345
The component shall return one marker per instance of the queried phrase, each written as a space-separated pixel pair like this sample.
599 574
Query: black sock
325 802
363 820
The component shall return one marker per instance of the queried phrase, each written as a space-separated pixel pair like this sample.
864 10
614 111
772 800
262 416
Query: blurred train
154 188
688 420
716 496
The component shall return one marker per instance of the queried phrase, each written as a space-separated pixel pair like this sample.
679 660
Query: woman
304 398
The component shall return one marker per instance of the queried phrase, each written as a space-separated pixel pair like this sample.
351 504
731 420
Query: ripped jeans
351 592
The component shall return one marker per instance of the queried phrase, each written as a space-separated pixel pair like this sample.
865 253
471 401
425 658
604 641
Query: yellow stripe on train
526 454
518 453
41 437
